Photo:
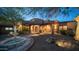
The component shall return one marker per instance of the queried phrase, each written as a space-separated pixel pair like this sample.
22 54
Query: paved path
42 45
20 43
25 46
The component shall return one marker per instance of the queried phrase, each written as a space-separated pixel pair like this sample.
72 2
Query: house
48 27
67 25
37 26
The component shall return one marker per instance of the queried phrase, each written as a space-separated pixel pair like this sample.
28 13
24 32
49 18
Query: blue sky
72 14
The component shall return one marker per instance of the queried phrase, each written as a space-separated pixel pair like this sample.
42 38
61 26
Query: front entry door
35 29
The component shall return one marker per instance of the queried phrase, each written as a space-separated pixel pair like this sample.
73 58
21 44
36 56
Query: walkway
20 43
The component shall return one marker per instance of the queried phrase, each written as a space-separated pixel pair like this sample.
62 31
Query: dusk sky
72 14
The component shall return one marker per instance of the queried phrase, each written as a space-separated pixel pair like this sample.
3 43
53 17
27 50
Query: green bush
24 31
71 32
50 40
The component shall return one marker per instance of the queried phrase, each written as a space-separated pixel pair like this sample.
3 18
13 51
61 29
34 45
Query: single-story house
36 25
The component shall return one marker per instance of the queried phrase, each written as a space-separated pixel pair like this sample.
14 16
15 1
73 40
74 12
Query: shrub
63 32
71 32
24 31
50 40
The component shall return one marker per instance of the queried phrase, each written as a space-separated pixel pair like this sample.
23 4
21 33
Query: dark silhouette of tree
10 15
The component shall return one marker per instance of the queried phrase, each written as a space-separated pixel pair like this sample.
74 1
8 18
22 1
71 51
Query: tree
12 15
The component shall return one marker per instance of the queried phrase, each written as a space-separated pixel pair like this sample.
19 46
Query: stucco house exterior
36 26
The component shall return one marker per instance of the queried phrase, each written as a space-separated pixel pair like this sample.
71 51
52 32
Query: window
63 27
60 27
8 28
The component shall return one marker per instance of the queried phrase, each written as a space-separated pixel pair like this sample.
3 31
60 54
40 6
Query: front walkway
18 43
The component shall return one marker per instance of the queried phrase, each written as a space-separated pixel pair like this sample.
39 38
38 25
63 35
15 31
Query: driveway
40 44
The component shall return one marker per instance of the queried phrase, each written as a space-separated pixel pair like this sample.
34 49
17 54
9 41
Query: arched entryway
35 29
41 29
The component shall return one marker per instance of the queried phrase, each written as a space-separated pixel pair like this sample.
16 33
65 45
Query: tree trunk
15 30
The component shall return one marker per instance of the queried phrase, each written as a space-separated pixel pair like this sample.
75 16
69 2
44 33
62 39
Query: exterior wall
64 27
45 29
50 28
40 29
71 25
55 27
67 25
